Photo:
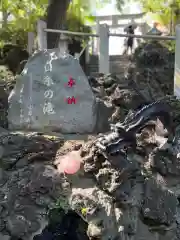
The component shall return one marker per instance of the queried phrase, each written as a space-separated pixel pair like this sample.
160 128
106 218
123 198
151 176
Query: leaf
5 4
90 19
21 13
162 10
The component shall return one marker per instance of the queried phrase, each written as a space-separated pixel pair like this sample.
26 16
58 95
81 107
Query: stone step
113 63
118 64
112 67
111 58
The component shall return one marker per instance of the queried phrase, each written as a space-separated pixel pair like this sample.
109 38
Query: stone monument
52 94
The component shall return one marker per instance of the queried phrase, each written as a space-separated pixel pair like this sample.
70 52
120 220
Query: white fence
103 35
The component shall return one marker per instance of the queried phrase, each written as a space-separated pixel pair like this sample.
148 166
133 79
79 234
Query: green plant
24 15
62 203
84 211
170 45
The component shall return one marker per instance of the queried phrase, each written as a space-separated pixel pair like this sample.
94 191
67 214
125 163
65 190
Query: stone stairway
118 64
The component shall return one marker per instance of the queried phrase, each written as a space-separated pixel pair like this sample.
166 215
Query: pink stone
70 163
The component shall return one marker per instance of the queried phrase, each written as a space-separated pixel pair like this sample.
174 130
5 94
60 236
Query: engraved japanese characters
55 96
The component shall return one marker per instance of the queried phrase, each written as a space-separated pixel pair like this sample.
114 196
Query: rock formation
122 197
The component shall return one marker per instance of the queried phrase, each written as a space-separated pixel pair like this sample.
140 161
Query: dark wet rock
117 175
68 226
152 54
160 205
111 89
107 195
166 163
106 80
5 237
16 147
3 177
152 71
116 96
103 109
177 232
33 187
126 98
93 82
176 112
19 225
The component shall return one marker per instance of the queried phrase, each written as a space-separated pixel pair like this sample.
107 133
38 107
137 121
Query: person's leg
131 50
132 46
125 46
129 44
125 50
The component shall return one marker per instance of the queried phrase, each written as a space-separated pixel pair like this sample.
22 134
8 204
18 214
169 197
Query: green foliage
76 18
170 45
79 13
25 13
62 203
160 6
10 33
166 11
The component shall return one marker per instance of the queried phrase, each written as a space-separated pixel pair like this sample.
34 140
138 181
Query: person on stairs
129 41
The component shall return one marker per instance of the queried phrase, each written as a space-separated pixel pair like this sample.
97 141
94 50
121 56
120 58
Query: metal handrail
147 36
112 34
70 33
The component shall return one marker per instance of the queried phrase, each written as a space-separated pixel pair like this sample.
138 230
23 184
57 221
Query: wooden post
104 49
177 63
42 36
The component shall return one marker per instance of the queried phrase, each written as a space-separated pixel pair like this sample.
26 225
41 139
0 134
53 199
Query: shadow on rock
66 227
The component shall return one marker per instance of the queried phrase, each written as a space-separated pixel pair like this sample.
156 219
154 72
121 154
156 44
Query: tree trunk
56 15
